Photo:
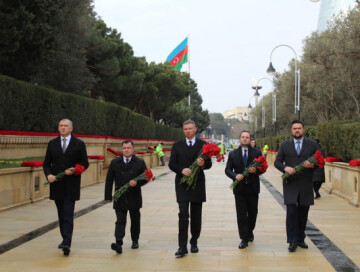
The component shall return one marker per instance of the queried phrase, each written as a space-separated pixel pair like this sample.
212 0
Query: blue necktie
245 157
298 147
190 143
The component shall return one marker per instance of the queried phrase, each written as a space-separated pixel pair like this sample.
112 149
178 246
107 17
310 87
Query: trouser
296 218
120 225
162 161
65 208
195 222
246 212
317 185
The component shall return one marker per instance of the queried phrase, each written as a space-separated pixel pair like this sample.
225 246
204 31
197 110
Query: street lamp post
256 88
209 130
274 112
271 70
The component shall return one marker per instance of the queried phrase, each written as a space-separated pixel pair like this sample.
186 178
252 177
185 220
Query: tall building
331 8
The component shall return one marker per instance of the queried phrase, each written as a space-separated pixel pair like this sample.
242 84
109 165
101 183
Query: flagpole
189 60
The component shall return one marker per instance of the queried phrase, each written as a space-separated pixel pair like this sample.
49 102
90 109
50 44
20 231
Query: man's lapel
303 147
70 145
58 145
292 146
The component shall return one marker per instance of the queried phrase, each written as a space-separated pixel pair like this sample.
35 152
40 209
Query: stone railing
25 184
340 179
343 180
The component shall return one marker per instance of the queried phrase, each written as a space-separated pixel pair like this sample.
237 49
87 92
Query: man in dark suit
298 194
247 191
183 154
63 153
123 170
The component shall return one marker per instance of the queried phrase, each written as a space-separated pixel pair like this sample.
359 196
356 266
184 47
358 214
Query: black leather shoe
243 244
194 249
61 245
292 247
251 239
135 245
181 252
302 245
116 247
66 250
317 196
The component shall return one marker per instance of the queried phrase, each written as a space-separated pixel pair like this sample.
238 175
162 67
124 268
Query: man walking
298 189
63 153
183 154
123 170
247 191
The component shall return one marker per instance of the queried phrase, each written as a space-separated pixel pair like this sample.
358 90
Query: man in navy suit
247 191
63 153
298 189
183 154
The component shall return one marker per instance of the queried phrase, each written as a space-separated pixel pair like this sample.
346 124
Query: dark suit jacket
56 162
182 157
298 187
235 165
122 173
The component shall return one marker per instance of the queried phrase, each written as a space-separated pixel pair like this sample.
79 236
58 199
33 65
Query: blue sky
230 40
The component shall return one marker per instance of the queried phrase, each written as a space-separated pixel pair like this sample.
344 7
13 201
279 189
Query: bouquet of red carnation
220 158
77 170
259 163
332 159
207 152
317 159
147 175
354 163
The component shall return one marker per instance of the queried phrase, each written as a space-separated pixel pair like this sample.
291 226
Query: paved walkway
218 243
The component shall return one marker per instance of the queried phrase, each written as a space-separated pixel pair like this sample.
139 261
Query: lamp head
249 107
271 70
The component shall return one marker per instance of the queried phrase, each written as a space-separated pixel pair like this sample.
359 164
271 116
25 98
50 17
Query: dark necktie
64 145
245 157
127 161
190 143
298 147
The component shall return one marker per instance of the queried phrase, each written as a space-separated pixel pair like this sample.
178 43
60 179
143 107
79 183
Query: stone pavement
218 243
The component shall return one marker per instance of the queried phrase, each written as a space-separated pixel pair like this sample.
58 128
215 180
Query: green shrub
27 107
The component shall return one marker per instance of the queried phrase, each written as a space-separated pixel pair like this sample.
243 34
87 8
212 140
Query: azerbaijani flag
179 55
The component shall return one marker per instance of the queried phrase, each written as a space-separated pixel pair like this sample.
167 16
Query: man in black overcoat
63 153
247 191
123 170
298 189
183 154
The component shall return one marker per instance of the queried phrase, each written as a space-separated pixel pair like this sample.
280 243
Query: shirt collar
68 138
127 159
192 141
301 141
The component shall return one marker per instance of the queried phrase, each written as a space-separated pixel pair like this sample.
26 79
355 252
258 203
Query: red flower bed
113 151
96 157
141 152
149 151
355 163
332 159
32 164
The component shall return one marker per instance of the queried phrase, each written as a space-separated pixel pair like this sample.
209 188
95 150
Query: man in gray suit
298 194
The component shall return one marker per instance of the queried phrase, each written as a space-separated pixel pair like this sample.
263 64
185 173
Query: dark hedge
27 107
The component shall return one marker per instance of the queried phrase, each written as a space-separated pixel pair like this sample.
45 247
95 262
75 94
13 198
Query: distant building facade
330 9
241 113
